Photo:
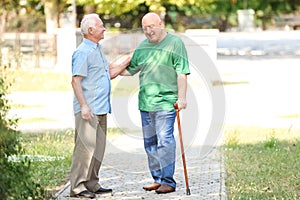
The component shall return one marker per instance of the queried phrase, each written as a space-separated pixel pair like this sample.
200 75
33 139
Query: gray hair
87 22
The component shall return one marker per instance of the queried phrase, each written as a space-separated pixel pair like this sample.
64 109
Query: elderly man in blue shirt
91 75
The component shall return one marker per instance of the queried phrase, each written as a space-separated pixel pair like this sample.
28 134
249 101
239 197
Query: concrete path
125 171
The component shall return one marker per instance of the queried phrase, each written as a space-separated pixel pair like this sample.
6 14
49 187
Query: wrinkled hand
181 103
86 112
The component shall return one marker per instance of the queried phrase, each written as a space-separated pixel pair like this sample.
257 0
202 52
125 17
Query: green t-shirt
159 64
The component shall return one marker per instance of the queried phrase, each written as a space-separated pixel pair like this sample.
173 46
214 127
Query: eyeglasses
97 26
151 27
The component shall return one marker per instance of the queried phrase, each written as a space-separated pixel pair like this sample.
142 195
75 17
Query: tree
266 10
7 6
130 11
53 9
16 180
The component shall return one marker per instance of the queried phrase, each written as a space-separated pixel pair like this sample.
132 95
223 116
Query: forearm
118 69
86 111
125 73
77 88
115 70
182 87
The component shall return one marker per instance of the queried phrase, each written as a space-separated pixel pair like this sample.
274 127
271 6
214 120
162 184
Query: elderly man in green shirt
163 64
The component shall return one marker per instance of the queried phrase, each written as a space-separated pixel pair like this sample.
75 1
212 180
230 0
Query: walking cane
188 192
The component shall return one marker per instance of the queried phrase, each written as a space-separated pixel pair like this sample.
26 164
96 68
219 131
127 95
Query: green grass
291 116
262 163
50 174
25 106
36 119
51 81
40 80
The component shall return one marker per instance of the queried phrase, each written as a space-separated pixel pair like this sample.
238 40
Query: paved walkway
125 171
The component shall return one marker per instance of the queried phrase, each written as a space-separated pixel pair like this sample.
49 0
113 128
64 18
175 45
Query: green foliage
13 11
16 180
129 12
8 141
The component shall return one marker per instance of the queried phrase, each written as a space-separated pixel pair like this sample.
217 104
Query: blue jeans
160 145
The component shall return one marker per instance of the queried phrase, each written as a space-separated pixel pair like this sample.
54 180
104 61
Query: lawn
51 154
39 80
262 163
49 80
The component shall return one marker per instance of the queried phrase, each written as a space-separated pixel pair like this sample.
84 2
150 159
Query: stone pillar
246 20
205 38
66 44
79 37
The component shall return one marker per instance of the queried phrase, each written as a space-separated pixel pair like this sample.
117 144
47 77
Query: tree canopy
177 13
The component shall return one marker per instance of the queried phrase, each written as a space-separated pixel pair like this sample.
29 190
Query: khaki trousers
90 141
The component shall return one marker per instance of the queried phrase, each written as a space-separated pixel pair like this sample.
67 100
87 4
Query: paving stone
127 172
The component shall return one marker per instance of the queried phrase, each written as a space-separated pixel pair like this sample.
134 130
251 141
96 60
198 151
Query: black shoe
85 194
103 190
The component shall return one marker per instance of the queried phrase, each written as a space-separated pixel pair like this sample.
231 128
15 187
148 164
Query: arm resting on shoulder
125 72
117 69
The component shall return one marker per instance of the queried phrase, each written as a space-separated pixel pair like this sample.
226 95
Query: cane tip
176 106
188 192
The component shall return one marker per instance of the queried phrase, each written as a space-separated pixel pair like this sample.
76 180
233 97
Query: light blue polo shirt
88 60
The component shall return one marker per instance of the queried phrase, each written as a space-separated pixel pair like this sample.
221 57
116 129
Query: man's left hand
181 102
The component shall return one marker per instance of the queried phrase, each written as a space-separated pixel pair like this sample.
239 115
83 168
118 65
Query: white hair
87 22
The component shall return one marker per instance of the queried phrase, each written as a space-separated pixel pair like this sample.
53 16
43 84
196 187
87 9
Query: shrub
16 180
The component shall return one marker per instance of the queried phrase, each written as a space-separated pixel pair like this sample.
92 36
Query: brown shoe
164 188
154 186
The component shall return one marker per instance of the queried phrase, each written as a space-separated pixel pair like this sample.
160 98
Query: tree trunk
2 30
3 21
52 16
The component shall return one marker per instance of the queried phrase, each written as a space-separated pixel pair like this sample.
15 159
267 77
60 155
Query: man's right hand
86 112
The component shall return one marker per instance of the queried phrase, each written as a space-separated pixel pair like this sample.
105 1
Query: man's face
153 29
97 31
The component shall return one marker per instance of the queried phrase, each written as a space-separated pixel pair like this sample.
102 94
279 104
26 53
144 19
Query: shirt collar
90 43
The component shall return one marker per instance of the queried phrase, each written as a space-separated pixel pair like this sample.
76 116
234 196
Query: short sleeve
79 64
181 62
134 66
